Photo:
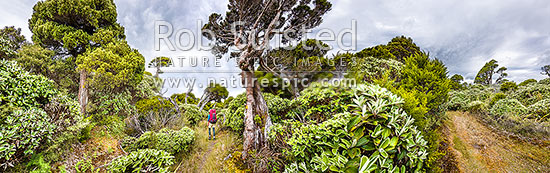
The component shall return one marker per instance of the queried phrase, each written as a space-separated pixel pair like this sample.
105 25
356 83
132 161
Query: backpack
213 119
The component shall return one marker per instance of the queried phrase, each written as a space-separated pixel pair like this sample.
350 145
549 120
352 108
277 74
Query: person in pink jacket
212 119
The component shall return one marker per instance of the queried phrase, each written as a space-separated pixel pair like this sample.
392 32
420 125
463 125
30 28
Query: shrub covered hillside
523 110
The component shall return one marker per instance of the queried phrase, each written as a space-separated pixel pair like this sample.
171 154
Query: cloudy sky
463 34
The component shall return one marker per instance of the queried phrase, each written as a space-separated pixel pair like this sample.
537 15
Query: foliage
304 62
72 27
153 104
192 113
38 165
85 165
457 101
148 87
110 104
485 75
39 60
214 92
545 81
496 98
541 109
477 107
428 78
24 125
277 107
22 133
113 67
545 70
143 160
21 89
370 68
399 48
160 62
376 131
180 98
527 82
168 140
319 103
508 86
234 114
270 83
424 86
10 41
531 94
456 82
510 107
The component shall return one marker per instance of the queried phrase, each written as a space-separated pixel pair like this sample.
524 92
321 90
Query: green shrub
146 160
167 140
154 104
429 78
22 133
508 86
377 136
21 89
370 68
541 109
38 165
508 107
479 93
107 105
278 107
85 165
496 98
33 111
234 114
457 101
527 82
477 107
318 103
545 81
531 94
192 113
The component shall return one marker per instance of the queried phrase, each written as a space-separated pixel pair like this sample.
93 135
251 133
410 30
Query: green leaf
362 141
352 122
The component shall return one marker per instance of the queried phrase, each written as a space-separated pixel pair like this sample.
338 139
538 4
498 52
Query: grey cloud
463 34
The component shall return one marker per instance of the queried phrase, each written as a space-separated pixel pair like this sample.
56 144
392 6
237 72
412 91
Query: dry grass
480 149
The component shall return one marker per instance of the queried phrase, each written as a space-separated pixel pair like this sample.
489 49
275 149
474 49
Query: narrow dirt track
479 149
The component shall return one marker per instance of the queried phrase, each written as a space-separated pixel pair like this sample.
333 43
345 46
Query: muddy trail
478 148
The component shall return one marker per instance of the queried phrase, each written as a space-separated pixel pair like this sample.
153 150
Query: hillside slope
478 148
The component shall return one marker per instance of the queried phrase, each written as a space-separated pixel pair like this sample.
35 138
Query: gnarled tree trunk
254 138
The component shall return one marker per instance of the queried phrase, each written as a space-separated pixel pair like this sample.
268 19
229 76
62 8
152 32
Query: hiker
212 119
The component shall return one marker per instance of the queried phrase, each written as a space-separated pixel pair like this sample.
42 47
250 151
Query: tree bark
254 138
83 91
